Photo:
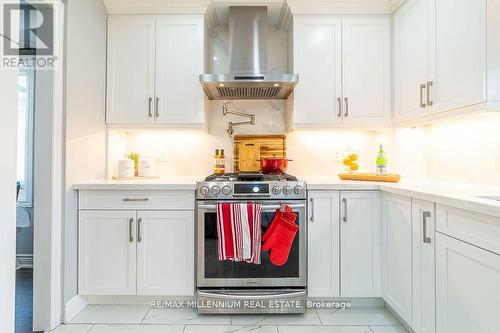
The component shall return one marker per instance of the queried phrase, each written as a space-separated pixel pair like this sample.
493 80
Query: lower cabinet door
323 244
165 253
467 287
397 254
106 253
360 244
424 285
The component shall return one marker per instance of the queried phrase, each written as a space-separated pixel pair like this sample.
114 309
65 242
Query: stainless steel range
275 288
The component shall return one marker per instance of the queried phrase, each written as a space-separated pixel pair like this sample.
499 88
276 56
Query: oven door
211 272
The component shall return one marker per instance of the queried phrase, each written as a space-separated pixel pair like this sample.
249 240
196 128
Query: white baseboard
398 317
26 260
73 307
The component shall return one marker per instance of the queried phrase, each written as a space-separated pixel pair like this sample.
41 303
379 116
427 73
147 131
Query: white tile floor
141 319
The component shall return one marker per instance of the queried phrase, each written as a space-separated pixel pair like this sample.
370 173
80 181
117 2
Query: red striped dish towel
239 230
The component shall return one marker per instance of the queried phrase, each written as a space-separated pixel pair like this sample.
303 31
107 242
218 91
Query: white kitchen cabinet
447 59
397 254
424 286
366 71
323 244
317 57
165 253
411 62
153 68
361 246
467 287
107 253
179 62
344 68
460 54
130 70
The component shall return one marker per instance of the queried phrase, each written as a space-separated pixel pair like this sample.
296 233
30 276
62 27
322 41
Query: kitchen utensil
273 165
249 156
391 178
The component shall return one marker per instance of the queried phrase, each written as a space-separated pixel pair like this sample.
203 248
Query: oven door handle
263 207
251 297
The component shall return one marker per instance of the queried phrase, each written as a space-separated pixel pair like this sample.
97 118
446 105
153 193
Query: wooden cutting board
371 177
269 146
249 155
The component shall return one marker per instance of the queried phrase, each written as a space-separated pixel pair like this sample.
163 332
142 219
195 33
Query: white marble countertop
464 196
162 183
458 195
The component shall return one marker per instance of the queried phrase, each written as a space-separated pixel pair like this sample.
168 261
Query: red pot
273 165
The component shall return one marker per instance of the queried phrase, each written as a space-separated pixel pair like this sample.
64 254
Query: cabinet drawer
478 229
164 200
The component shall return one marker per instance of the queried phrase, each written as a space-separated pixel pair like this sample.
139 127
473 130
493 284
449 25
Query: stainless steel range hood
249 77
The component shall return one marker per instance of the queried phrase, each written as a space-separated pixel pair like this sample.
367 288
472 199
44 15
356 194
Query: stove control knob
204 190
298 189
215 190
276 190
287 190
226 190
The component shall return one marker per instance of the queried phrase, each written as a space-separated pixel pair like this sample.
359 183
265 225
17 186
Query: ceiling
276 7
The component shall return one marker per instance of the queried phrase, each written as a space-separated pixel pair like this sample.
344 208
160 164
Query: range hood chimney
248 77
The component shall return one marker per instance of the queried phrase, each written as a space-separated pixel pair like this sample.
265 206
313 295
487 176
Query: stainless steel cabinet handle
264 207
345 209
135 199
139 237
312 209
339 100
429 99
157 110
346 114
422 102
150 111
130 226
425 216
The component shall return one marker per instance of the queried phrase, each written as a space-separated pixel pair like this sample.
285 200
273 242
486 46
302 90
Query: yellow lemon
353 157
347 162
354 166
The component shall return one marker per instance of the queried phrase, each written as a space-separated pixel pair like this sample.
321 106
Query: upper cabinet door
130 71
317 60
361 245
366 72
411 63
179 62
460 54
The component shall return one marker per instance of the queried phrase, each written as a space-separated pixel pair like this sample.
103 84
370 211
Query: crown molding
157 7
339 6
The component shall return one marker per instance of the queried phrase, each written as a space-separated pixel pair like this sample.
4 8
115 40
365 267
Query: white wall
465 150
8 137
85 127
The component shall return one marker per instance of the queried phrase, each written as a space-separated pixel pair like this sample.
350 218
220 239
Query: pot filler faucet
230 125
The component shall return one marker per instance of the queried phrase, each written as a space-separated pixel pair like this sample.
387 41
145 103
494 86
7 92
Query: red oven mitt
282 236
274 223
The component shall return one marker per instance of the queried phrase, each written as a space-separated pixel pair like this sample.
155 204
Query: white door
323 244
106 253
366 75
361 245
467 287
130 70
179 62
397 254
411 62
165 253
424 299
460 54
317 59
